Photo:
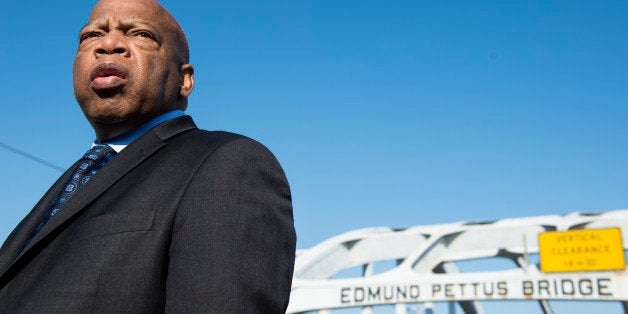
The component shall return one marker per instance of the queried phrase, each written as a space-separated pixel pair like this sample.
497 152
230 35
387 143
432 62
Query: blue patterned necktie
92 161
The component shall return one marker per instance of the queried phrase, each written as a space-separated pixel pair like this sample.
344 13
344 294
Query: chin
105 115
106 110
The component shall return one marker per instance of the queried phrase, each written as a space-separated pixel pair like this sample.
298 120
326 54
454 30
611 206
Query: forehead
111 10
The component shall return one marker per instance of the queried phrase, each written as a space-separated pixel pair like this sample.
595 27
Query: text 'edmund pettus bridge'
572 257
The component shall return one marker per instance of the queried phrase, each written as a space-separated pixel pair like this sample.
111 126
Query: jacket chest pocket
109 224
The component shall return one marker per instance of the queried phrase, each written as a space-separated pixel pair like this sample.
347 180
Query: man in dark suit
178 219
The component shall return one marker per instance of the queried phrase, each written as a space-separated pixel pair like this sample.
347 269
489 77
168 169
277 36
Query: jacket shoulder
203 138
219 141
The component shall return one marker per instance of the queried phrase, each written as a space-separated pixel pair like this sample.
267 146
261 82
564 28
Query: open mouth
108 76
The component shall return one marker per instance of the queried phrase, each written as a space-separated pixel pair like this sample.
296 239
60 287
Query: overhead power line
31 157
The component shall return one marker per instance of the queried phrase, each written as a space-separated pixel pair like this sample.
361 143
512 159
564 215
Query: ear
187 80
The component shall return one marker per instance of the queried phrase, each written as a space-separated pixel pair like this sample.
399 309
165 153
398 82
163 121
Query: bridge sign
581 250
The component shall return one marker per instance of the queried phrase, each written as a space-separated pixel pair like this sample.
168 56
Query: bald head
158 13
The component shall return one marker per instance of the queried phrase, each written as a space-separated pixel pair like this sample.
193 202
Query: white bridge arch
423 261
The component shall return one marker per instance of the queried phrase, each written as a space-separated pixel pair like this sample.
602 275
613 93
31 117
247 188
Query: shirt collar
120 142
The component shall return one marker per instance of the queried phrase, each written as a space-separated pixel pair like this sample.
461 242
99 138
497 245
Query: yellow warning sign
581 250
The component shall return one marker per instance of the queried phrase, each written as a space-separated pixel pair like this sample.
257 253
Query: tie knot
100 152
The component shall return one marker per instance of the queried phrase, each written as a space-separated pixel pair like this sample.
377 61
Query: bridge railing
423 265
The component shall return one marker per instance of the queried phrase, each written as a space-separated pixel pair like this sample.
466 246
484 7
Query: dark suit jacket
182 220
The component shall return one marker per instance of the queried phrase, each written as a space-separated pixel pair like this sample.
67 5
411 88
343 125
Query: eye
88 35
145 34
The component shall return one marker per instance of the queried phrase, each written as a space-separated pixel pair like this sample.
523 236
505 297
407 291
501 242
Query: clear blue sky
394 113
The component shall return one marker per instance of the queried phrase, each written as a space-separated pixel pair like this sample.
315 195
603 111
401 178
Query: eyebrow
103 23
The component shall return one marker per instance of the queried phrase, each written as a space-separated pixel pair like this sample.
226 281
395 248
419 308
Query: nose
111 43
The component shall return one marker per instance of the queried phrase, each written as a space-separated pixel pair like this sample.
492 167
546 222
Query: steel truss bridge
424 266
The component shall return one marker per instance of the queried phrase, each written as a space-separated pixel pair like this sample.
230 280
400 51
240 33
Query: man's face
130 66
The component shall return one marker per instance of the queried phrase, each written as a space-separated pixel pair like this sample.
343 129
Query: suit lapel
15 241
120 165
